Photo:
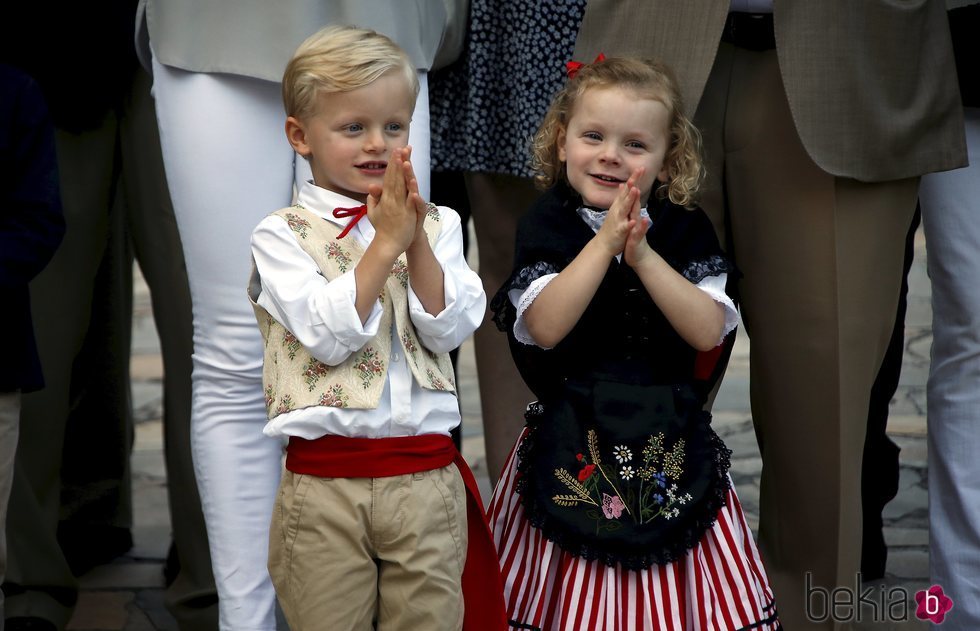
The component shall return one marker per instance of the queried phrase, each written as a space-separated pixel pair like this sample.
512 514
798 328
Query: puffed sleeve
320 313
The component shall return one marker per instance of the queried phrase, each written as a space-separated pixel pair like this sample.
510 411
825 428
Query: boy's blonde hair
340 59
648 79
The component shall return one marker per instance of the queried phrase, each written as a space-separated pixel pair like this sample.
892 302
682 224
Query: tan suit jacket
871 84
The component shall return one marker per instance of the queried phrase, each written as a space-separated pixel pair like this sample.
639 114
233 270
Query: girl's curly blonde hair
648 79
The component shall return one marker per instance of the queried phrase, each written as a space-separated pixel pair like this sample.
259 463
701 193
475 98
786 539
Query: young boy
361 289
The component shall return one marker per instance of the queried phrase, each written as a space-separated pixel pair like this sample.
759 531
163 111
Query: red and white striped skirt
720 585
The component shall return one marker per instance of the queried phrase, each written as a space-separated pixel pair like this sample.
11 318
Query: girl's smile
611 132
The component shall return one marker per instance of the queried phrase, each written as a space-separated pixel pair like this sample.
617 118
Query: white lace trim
595 218
521 301
714 286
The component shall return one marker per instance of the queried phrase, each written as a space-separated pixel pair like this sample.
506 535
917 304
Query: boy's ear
296 135
561 143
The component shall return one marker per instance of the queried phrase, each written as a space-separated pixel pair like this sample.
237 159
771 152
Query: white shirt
322 316
714 286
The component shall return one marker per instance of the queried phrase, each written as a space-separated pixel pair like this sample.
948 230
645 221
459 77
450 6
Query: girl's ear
662 176
296 135
561 143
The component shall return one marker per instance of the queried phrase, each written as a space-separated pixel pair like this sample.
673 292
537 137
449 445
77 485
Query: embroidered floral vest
294 379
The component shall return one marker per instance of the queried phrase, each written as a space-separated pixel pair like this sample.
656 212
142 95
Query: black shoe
29 624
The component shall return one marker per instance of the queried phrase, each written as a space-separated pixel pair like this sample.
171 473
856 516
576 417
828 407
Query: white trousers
951 217
229 165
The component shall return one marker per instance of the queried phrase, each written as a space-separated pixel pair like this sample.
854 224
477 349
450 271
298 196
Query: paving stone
146 367
896 536
149 436
147 400
908 563
101 610
151 603
914 452
734 391
149 463
906 425
919 311
145 339
123 574
139 621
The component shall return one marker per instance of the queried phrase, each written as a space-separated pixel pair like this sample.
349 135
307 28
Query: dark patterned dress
615 510
485 107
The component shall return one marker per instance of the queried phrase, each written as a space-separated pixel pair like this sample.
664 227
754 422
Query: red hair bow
572 67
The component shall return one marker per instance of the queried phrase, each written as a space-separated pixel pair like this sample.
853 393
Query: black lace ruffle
504 313
670 551
523 279
714 265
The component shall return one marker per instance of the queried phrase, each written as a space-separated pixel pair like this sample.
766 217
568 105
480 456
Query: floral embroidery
297 224
291 343
622 453
335 397
270 397
612 506
644 489
400 271
434 380
369 366
285 404
342 256
312 372
409 343
433 212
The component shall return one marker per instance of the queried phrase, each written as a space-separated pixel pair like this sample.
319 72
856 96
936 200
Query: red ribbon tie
358 212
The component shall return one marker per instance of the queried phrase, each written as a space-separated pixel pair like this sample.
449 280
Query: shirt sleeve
463 292
714 286
320 313
521 301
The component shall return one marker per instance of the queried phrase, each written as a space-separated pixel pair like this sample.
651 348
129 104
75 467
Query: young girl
615 509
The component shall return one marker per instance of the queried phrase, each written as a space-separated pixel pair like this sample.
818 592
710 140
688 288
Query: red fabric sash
343 457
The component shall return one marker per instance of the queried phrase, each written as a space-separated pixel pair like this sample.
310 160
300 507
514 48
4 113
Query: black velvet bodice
622 330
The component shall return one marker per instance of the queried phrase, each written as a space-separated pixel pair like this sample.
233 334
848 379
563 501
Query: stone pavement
127 594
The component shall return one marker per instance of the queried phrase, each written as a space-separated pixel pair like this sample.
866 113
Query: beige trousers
347 554
822 262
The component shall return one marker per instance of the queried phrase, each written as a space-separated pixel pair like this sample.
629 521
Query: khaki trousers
349 553
822 263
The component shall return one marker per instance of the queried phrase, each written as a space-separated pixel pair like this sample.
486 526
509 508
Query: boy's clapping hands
395 208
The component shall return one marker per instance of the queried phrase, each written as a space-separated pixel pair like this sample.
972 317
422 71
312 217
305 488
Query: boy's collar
324 201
